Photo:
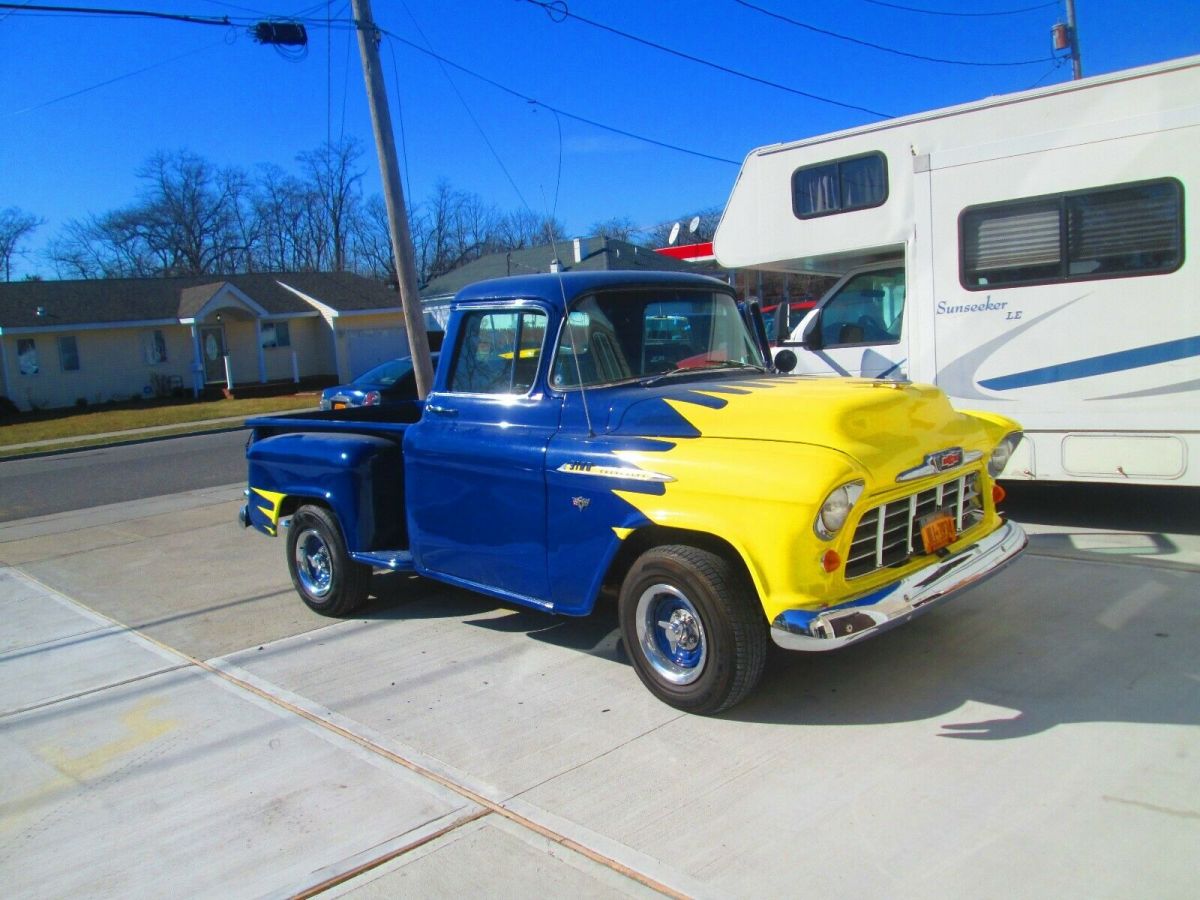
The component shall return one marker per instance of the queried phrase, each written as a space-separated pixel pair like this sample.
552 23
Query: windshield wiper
695 370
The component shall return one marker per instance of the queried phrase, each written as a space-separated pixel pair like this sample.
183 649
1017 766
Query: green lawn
77 428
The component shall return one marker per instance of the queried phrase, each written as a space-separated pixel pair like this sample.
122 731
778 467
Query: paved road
88 478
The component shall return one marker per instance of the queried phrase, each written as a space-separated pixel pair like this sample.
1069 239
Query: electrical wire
559 12
466 106
533 100
965 15
123 13
883 48
94 87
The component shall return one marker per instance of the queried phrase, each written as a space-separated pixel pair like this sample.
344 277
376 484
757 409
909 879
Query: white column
228 372
197 363
262 359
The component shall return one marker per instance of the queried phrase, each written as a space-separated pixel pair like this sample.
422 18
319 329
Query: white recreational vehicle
1033 254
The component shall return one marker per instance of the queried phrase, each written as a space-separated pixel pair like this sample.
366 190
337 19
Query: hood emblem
941 461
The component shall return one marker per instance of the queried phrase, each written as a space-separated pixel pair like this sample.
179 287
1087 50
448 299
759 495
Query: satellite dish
694 224
674 234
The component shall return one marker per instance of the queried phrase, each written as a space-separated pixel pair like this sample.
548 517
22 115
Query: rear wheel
694 628
327 579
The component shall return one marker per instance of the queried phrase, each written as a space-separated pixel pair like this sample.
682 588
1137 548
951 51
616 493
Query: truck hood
886 426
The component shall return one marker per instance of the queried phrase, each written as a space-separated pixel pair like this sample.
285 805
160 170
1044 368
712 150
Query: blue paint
1105 364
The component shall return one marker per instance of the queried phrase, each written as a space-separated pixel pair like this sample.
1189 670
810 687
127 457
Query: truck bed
378 421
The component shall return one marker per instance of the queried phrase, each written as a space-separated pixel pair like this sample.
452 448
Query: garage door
369 347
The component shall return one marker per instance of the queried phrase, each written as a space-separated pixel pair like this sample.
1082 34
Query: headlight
836 509
1003 453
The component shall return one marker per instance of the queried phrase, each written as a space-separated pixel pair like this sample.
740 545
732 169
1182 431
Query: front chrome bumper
896 603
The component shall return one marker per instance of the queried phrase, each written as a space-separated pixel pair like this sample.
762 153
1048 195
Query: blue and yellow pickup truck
624 435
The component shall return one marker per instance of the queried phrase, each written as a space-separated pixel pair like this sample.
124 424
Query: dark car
387 383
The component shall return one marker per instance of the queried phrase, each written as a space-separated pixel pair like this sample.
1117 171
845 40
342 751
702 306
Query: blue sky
84 100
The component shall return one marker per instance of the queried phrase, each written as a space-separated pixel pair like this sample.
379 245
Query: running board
392 560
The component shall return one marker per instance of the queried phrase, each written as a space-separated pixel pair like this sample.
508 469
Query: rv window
867 309
839 186
1104 233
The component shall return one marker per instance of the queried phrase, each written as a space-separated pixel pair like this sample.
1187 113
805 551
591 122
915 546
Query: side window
68 353
868 309
859 182
154 347
27 356
1104 233
499 352
276 334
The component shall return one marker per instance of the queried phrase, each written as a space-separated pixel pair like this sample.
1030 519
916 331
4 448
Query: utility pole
1063 36
1073 35
393 195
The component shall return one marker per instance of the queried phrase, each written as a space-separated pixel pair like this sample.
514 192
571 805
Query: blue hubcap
671 634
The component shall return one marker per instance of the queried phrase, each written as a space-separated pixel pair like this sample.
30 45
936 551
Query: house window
1110 232
842 185
27 357
68 353
276 334
154 347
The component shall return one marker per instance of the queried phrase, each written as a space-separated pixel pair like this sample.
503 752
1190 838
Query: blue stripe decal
1098 365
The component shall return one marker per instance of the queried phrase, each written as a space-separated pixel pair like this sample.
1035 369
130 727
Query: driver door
858 329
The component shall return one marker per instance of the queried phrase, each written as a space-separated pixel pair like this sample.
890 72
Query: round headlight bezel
835 511
1002 453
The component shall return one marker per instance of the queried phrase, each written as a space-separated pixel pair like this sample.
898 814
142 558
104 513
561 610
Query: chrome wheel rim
671 634
314 564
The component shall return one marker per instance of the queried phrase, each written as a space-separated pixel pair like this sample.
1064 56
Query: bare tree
619 228
15 226
525 228
335 175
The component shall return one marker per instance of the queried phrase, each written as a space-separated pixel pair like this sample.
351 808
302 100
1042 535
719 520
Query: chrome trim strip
901 600
613 472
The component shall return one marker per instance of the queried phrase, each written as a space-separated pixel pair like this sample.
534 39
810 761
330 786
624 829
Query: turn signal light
830 561
998 494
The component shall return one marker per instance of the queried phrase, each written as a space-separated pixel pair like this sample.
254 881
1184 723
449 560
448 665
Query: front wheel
327 579
694 628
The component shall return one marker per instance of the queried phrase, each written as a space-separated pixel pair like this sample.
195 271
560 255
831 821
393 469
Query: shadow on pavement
1045 643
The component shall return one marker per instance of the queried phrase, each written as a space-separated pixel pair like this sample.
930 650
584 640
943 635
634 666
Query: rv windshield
625 335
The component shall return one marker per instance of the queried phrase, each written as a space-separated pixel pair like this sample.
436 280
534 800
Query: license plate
339 405
938 531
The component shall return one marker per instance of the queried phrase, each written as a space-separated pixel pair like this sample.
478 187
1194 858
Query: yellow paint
73 769
762 496
622 533
140 729
271 510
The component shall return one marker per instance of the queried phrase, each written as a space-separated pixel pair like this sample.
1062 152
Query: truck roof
559 288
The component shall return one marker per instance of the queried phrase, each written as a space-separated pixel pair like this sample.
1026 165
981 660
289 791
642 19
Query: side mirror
812 333
785 361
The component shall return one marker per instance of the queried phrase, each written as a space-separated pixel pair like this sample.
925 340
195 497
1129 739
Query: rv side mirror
812 333
785 361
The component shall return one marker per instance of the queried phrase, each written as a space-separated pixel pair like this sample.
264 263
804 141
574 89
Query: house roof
577 255
123 300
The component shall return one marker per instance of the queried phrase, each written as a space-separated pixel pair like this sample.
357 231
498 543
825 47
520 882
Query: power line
558 11
534 101
883 48
964 15
123 13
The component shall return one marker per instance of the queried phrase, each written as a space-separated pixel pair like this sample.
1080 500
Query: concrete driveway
173 721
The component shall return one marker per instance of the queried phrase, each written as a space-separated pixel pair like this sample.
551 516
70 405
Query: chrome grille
885 534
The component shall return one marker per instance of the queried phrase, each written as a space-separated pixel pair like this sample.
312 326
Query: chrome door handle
440 410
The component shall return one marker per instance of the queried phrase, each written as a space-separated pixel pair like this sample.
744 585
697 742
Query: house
577 254
65 343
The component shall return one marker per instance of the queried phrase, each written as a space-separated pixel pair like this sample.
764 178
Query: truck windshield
625 335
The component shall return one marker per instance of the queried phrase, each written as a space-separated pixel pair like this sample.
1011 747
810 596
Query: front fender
359 477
